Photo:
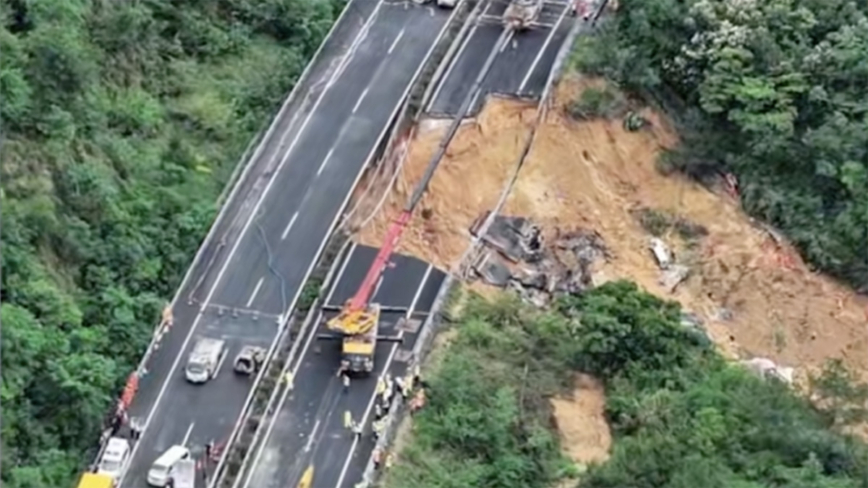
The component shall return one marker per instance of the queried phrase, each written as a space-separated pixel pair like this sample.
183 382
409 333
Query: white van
115 458
164 466
205 359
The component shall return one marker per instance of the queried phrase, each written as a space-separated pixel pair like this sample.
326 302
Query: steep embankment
122 122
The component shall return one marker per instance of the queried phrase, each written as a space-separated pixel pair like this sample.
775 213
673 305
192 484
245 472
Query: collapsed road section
522 65
325 433
251 274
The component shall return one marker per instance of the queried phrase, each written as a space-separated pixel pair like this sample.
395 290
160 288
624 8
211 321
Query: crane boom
358 321
366 290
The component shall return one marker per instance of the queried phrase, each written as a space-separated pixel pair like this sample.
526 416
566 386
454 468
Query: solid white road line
220 363
187 435
395 42
289 226
452 66
377 288
481 90
543 50
359 101
234 249
385 371
347 197
329 155
294 370
255 292
312 436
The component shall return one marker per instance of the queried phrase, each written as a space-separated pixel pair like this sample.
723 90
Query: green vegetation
598 102
681 416
772 91
122 122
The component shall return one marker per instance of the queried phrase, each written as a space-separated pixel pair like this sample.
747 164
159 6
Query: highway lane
521 68
339 140
264 161
245 297
248 189
308 426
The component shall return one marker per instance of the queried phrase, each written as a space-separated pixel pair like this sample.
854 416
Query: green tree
122 122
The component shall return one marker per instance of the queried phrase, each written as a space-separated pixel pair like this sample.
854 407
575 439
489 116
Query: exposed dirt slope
468 181
582 422
596 174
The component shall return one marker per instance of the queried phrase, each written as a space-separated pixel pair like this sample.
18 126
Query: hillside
750 169
122 121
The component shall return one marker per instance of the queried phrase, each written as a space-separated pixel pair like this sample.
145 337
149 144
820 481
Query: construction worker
209 449
168 319
287 378
346 380
117 422
389 460
357 430
381 386
417 376
378 411
378 427
135 428
348 420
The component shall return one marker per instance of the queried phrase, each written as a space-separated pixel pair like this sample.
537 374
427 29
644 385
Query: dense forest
121 123
772 91
681 416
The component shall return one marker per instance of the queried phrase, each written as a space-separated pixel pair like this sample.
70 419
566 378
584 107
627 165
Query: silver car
204 360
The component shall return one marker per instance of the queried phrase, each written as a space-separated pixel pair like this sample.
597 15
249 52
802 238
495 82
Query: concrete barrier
437 315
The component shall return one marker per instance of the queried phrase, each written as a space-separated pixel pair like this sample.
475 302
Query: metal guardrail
435 318
218 478
228 194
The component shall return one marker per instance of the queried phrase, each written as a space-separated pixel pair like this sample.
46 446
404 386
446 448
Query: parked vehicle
166 466
249 360
205 359
115 458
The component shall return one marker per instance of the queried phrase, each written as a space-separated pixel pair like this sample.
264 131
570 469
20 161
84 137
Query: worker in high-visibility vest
348 420
378 428
287 378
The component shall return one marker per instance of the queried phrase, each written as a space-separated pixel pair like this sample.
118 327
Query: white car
205 359
446 3
115 458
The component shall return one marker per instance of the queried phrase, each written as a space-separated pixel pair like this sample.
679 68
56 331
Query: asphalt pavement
521 68
308 427
268 241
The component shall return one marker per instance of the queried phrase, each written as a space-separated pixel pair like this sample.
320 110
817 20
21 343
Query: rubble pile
515 256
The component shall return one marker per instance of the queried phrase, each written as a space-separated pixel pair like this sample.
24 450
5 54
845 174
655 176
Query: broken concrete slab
516 238
492 269
673 276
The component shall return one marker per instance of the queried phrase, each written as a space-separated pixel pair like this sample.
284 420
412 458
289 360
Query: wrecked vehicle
249 360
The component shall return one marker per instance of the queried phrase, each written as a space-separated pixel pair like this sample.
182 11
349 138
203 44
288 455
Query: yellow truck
93 480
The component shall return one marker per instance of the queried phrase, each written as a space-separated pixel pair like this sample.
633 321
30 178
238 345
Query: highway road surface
521 68
308 427
277 223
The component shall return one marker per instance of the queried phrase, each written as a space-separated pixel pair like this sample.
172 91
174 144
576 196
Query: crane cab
357 330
